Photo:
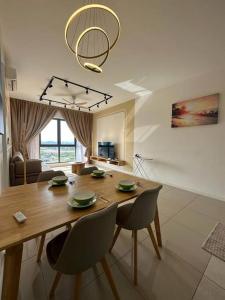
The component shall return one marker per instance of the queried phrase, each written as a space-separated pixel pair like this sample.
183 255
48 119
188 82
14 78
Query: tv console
108 160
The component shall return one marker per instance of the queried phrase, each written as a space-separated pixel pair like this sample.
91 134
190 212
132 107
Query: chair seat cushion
122 214
55 246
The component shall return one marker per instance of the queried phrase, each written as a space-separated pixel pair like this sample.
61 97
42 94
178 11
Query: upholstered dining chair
86 171
135 216
48 175
75 251
45 176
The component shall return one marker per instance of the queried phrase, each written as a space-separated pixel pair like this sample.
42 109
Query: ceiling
162 42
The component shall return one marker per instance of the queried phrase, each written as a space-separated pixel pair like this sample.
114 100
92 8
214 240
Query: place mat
215 243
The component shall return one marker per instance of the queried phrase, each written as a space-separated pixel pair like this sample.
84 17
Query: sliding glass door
57 143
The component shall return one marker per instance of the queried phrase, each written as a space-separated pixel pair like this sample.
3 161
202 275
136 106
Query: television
106 150
1 116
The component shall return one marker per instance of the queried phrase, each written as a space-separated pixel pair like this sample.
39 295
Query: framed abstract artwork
195 112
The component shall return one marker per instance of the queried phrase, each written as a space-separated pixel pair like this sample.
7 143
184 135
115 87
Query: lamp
89 44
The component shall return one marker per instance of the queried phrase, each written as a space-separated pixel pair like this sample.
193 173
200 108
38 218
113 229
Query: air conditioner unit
11 78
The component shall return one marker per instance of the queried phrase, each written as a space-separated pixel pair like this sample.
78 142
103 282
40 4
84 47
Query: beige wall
191 158
116 124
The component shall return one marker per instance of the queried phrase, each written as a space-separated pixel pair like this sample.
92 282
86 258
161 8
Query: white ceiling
162 42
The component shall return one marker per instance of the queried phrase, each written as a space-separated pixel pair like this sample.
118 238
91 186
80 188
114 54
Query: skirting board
195 191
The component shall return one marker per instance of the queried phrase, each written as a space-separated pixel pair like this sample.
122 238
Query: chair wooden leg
55 284
157 228
151 233
135 256
115 237
110 278
41 246
78 278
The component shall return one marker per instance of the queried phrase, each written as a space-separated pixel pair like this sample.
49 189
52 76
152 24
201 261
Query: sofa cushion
33 167
17 157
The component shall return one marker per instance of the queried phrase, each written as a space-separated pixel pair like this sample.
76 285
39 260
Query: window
57 143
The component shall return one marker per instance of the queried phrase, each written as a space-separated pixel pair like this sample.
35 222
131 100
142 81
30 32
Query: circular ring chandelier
86 38
91 66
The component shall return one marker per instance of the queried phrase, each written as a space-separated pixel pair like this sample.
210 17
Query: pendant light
90 34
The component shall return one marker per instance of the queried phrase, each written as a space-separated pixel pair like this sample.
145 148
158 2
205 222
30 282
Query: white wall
111 128
192 158
5 140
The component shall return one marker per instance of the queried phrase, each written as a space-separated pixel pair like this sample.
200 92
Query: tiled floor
185 271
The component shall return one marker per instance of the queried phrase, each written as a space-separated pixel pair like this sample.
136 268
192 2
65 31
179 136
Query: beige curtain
27 121
33 148
81 124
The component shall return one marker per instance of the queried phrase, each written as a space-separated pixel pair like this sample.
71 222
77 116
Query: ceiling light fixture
68 104
93 43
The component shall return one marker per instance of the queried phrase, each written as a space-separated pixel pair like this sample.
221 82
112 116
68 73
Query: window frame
59 142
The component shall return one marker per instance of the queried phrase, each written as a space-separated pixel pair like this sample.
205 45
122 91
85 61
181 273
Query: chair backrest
143 209
86 171
45 175
88 241
48 175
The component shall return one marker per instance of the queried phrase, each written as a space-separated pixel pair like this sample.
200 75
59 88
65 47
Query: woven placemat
215 242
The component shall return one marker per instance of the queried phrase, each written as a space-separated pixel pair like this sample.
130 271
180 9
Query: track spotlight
97 105
50 103
65 106
106 102
66 84
87 91
50 84
44 94
89 109
79 108
105 97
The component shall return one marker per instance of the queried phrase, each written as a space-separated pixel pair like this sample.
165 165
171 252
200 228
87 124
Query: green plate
60 179
120 188
97 176
72 203
127 184
52 183
83 197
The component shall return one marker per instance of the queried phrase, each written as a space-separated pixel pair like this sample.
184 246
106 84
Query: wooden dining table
46 209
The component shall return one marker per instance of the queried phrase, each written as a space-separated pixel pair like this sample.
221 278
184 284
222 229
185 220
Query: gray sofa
16 169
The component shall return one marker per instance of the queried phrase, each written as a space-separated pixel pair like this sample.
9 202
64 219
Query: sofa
16 169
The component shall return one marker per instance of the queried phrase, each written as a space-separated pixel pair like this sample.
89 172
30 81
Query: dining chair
45 176
75 251
86 171
48 175
135 216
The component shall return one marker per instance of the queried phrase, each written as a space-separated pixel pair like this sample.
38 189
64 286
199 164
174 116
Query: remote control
20 217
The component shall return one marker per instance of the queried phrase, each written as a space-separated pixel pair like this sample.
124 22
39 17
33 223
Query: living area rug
215 243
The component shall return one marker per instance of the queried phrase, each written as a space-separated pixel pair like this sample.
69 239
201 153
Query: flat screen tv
1 115
106 150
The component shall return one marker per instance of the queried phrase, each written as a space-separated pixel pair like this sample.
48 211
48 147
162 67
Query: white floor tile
216 271
208 290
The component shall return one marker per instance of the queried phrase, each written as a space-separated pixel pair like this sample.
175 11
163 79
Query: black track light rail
107 97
